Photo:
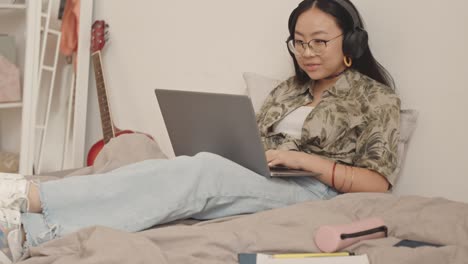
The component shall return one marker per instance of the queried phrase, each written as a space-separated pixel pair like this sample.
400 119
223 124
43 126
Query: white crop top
292 123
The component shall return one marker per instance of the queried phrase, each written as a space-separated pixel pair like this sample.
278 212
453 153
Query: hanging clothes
70 29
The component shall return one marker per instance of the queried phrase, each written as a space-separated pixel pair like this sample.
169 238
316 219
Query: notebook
271 259
222 124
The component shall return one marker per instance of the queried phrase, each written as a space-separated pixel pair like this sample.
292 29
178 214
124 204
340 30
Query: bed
290 229
284 230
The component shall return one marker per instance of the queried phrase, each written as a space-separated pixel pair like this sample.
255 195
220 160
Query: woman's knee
211 161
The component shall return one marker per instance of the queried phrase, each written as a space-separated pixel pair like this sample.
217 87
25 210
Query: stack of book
303 258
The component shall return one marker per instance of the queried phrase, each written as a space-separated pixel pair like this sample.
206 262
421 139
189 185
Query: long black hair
366 64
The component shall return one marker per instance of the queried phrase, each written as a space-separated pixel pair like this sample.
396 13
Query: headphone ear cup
355 43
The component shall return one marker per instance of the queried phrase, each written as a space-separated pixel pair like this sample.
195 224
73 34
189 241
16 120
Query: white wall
207 44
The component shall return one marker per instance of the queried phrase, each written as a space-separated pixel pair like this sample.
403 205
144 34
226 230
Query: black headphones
355 42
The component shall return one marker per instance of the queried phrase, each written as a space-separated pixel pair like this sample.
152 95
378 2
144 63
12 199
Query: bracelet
333 175
344 178
352 179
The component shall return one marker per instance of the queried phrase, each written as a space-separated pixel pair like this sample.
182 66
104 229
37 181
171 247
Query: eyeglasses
298 47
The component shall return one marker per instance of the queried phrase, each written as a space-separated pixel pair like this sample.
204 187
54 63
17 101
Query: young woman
337 116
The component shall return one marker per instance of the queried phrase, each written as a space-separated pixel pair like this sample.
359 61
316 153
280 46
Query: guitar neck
108 129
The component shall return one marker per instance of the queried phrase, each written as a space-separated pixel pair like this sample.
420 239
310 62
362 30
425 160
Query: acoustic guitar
99 37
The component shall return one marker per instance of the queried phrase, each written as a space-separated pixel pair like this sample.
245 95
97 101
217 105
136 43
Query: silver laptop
222 124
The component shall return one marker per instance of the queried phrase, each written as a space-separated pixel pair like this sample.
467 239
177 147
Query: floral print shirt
356 123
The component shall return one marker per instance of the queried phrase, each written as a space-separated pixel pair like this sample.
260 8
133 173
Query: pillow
408 120
258 88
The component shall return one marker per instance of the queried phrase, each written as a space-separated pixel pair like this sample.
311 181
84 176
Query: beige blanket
119 151
289 229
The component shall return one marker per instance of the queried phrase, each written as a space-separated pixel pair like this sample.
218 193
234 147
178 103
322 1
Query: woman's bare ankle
34 199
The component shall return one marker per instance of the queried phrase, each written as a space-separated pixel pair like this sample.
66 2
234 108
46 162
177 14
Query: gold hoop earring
348 61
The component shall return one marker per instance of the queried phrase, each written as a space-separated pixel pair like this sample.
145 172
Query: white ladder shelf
42 127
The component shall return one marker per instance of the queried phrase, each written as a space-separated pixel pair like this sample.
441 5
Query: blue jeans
144 194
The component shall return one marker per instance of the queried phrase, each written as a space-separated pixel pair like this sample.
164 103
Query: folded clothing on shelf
10 88
9 162
8 47
7 1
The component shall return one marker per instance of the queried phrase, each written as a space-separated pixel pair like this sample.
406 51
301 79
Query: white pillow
408 120
258 87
